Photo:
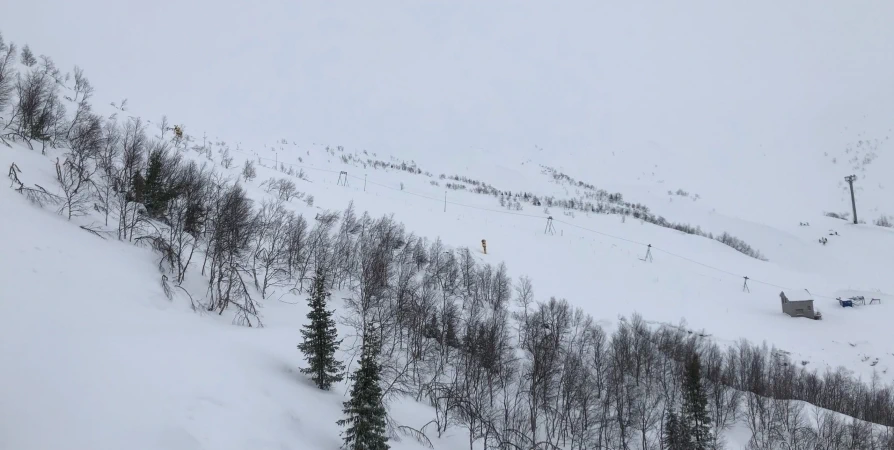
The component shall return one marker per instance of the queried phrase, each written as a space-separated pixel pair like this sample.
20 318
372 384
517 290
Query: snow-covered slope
595 261
95 356
758 113
99 343
745 104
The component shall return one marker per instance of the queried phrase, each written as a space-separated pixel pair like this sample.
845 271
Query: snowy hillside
698 95
97 357
109 325
595 259
604 185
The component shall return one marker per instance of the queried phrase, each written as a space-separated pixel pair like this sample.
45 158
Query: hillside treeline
509 367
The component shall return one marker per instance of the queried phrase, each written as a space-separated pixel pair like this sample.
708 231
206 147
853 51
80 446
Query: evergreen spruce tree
696 422
153 191
365 414
432 329
320 338
138 185
675 437
450 337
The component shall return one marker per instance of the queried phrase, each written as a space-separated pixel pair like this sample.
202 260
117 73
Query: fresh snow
96 353
96 357
761 112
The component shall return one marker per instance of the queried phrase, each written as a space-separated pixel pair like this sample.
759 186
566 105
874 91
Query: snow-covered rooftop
797 294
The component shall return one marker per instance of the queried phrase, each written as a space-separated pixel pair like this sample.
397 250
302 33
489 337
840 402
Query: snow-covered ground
96 357
592 262
96 353
761 125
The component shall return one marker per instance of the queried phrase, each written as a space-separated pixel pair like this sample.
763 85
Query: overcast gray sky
706 76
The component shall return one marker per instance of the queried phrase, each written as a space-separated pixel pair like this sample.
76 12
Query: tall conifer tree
154 189
321 338
675 437
696 420
365 415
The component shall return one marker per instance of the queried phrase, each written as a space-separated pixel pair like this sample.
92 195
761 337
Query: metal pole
364 182
445 201
850 180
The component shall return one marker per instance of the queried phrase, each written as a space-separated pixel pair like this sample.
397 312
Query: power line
600 233
695 262
302 166
512 213
669 253
515 213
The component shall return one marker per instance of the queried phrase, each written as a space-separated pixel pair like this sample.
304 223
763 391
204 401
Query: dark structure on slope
799 304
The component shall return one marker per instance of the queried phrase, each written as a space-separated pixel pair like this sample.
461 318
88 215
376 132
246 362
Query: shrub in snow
248 170
225 159
7 73
842 216
284 189
38 113
740 246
